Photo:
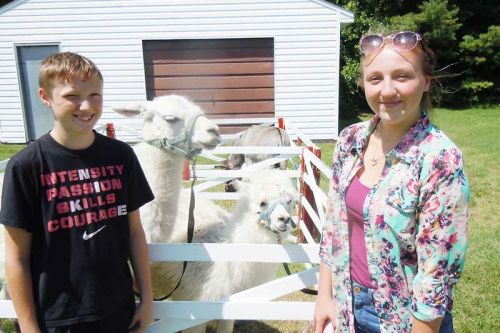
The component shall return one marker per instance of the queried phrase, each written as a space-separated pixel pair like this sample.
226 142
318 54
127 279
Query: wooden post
281 123
317 176
301 211
186 173
110 130
306 192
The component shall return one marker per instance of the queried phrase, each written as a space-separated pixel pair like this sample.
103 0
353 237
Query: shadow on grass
250 326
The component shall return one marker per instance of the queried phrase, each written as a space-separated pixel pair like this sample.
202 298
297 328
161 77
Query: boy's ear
44 97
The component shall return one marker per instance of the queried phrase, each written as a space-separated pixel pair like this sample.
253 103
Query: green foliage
463 34
475 89
484 48
438 21
481 55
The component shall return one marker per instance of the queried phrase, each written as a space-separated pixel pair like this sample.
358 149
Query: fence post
186 173
110 130
305 191
281 123
317 176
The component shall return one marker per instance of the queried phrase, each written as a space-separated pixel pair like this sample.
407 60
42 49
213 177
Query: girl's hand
323 315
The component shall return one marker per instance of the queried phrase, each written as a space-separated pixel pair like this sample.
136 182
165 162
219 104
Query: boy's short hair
66 67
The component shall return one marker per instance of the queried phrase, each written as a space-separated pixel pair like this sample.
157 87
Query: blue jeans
366 319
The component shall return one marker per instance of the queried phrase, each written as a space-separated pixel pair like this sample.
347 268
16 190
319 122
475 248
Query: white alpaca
171 120
173 127
263 215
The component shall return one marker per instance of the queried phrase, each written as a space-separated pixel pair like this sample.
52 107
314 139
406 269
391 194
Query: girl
393 245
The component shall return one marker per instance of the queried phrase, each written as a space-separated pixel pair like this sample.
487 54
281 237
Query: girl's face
394 84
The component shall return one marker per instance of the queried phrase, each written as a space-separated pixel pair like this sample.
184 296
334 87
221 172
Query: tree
481 53
438 21
464 35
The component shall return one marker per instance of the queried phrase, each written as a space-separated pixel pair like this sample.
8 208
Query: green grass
7 150
477 295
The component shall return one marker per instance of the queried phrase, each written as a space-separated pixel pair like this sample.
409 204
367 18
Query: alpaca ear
132 111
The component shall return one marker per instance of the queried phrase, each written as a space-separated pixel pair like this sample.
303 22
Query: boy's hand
143 316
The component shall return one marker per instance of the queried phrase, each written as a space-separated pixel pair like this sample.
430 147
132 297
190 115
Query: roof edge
11 5
345 15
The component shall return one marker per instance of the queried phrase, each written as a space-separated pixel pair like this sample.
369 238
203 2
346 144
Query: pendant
374 161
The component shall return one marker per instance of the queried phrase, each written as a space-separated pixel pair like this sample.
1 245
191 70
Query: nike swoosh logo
92 234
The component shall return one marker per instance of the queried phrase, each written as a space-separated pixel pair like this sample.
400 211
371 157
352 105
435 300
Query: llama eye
263 203
171 119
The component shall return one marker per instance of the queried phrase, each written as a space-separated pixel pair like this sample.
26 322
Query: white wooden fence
258 303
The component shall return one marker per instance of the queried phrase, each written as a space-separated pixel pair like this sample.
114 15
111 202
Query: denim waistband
366 318
358 288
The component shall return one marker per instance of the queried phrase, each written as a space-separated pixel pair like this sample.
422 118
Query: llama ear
132 111
240 186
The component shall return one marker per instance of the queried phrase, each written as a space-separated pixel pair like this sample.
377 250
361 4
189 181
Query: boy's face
77 105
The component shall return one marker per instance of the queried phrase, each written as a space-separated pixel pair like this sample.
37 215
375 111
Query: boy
70 206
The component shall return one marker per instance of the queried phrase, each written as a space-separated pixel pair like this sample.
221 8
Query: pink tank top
355 198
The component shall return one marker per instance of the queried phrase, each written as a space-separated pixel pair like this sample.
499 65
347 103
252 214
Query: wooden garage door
228 78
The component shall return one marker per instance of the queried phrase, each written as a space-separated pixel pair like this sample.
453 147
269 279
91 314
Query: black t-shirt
75 205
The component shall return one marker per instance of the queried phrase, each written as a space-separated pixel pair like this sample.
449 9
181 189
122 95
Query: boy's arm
140 264
18 273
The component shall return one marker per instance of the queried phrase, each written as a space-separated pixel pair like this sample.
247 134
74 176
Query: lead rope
190 231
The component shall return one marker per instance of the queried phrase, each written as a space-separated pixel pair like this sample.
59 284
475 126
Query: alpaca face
273 198
177 119
205 134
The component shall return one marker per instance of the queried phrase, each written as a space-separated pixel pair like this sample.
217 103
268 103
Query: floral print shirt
415 223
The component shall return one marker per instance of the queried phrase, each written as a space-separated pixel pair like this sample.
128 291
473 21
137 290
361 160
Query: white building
236 58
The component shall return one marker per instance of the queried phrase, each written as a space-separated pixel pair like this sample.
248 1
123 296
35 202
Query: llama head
174 121
271 197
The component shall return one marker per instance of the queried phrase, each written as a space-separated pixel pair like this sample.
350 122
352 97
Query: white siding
306 35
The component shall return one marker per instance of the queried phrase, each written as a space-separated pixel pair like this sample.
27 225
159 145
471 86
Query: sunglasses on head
401 41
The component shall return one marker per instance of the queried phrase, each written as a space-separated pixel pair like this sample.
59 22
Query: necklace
390 144
374 160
